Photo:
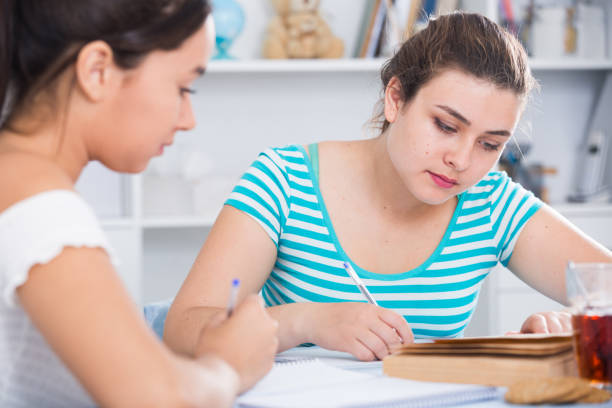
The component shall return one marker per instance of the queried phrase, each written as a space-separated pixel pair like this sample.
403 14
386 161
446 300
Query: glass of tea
589 291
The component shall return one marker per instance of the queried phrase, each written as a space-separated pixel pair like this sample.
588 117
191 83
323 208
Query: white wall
240 114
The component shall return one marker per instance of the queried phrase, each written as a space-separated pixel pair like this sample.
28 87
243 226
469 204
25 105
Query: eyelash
444 127
448 129
184 91
490 147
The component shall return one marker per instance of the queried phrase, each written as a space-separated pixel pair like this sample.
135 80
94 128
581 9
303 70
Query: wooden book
498 361
374 12
364 27
413 15
446 7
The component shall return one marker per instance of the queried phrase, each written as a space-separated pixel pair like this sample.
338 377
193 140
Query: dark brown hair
39 39
466 41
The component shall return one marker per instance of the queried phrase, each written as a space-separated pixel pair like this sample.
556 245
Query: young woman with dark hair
108 81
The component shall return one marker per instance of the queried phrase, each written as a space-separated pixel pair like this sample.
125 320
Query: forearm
182 329
294 326
208 381
74 312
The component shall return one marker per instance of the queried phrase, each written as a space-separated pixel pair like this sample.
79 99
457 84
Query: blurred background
258 92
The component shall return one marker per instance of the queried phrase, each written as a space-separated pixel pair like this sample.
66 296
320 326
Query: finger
374 343
553 324
535 324
512 333
359 350
250 308
216 319
387 333
566 321
399 324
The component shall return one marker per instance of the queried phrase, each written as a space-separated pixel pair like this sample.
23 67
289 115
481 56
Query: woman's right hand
366 331
247 340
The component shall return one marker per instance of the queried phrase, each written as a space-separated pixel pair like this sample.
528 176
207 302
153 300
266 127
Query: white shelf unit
244 106
368 65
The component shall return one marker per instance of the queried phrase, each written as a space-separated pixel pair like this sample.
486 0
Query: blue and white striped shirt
280 191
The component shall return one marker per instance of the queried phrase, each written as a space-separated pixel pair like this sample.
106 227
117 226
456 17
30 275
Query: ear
393 100
95 70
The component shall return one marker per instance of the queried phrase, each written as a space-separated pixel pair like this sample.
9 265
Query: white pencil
349 269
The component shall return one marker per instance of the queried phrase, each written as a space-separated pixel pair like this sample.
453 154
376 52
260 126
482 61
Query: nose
186 120
458 156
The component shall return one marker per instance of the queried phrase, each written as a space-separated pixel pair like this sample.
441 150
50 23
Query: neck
53 141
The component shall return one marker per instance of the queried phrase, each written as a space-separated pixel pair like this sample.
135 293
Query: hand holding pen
363 289
244 336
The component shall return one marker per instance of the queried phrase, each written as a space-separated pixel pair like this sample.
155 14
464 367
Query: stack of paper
315 384
497 361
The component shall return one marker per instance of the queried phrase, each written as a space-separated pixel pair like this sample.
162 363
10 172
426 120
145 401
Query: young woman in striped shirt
418 211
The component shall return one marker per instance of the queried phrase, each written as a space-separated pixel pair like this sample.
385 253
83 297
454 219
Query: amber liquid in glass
593 345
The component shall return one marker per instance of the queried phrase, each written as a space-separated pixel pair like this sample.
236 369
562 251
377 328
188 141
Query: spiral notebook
314 384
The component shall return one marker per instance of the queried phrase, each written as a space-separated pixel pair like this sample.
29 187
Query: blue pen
362 288
233 295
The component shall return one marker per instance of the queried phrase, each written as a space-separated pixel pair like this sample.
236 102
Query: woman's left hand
548 322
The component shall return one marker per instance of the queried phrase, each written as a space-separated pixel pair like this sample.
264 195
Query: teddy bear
299 31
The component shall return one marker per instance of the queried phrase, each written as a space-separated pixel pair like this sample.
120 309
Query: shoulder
285 152
505 196
501 184
493 180
490 186
23 175
283 158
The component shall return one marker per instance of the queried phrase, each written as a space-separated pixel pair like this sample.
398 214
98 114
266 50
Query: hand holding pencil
365 330
244 336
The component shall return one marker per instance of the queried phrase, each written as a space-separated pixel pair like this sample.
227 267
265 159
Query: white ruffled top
35 231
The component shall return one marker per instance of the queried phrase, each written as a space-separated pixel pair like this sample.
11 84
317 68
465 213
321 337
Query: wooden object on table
499 361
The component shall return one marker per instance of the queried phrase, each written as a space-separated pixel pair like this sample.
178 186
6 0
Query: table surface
348 362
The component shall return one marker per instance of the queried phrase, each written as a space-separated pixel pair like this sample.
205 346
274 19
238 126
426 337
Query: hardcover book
499 360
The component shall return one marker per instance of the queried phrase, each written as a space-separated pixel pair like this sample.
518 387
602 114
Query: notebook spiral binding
292 361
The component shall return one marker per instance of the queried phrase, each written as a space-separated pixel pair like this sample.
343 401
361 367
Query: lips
442 181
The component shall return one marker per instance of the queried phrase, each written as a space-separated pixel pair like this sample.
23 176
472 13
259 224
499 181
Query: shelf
584 209
295 65
117 222
569 63
206 221
203 221
374 65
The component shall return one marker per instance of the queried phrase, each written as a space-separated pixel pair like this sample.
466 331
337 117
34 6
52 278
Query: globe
229 22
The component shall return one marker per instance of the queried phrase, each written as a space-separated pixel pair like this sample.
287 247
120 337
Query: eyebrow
462 119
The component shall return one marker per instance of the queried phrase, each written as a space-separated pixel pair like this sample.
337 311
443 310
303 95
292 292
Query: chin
436 199
130 168
134 169
434 202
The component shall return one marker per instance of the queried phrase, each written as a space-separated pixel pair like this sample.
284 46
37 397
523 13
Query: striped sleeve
263 193
511 207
